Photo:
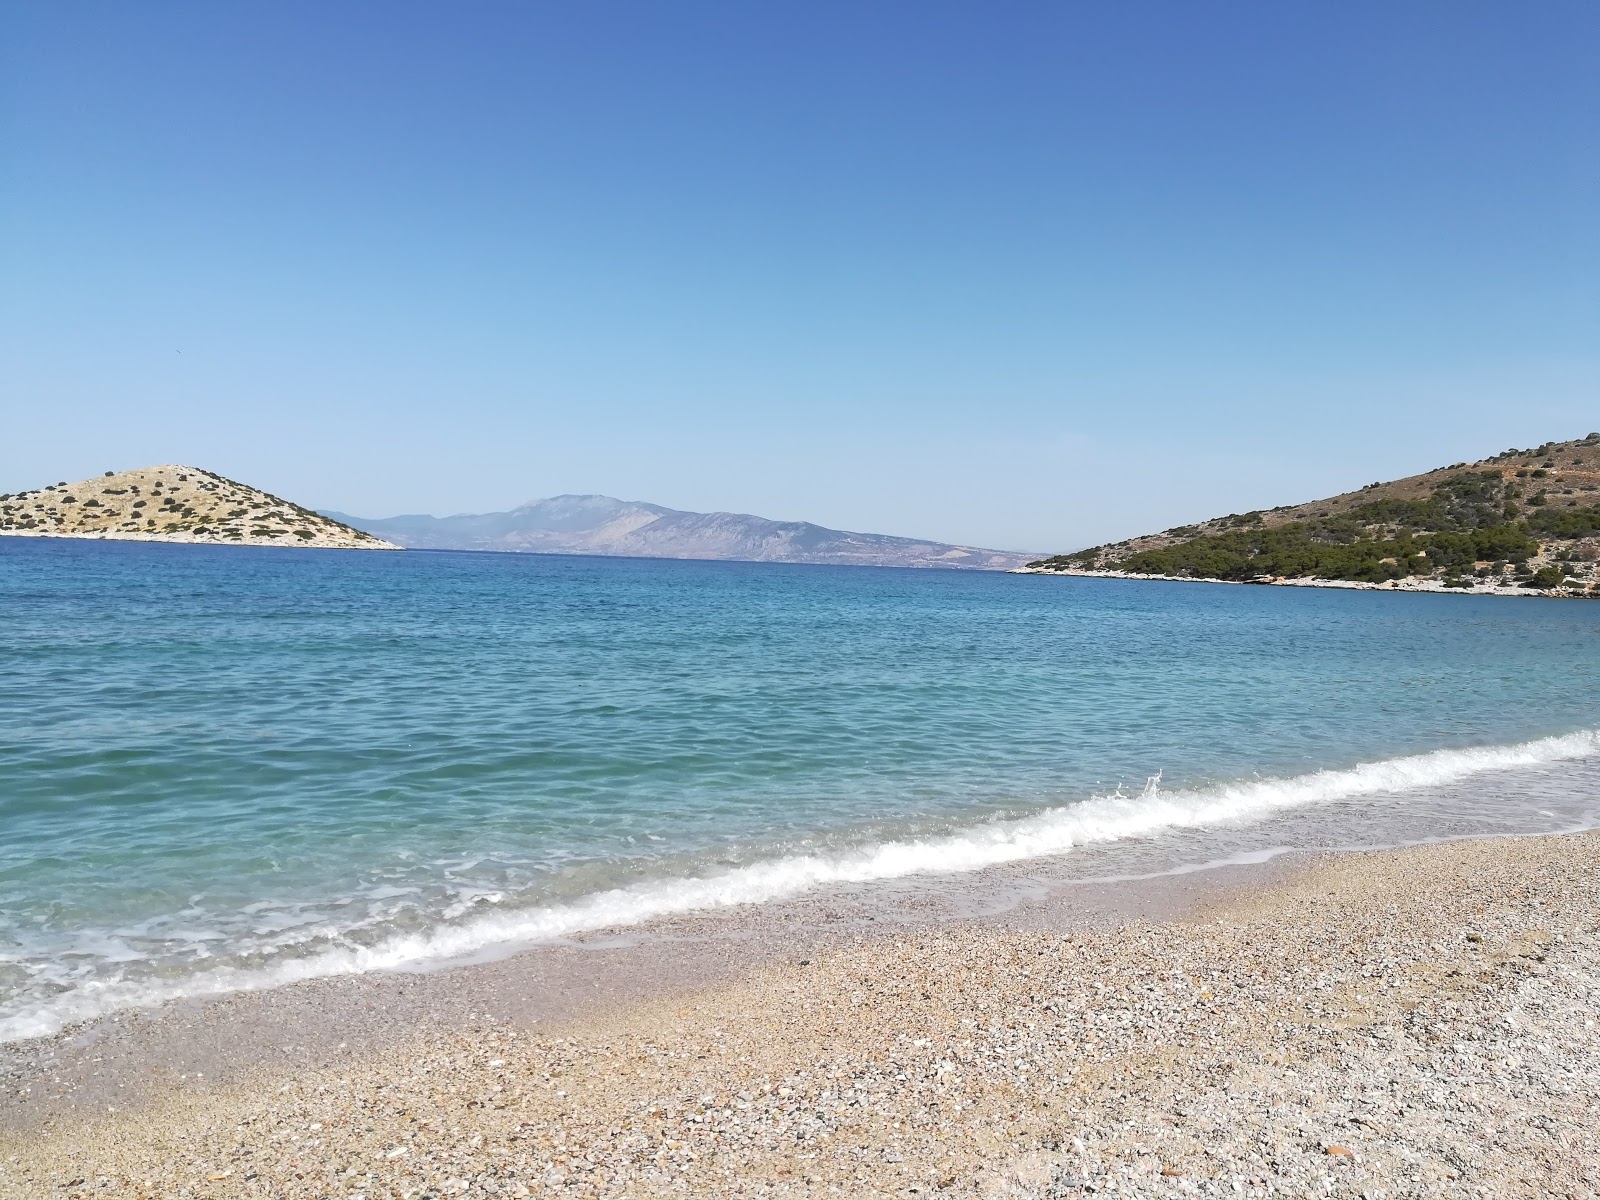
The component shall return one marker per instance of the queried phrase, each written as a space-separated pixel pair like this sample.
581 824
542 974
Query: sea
228 768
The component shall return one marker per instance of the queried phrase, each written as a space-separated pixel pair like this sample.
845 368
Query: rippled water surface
224 766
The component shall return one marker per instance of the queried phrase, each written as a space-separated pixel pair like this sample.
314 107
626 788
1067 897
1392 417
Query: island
174 503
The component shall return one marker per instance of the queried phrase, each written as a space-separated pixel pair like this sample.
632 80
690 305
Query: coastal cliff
174 503
1520 522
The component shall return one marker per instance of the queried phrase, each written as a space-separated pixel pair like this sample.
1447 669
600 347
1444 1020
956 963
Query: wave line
1052 832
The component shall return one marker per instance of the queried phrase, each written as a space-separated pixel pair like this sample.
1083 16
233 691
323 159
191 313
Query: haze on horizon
1020 276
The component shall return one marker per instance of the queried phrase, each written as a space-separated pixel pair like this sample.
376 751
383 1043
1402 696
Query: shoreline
314 1020
1409 584
1021 862
187 539
1397 1019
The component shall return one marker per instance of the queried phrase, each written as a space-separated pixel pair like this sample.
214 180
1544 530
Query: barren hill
1521 518
174 504
635 528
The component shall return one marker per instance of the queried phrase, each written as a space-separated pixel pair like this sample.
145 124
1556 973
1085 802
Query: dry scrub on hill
172 503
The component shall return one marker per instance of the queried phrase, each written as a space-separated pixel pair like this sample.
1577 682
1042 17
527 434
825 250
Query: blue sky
1026 275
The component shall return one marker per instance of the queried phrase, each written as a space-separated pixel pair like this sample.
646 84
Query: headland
1520 522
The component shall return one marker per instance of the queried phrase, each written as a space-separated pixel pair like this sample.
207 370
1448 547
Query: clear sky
1027 275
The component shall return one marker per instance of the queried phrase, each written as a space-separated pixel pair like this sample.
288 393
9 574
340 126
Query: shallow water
226 767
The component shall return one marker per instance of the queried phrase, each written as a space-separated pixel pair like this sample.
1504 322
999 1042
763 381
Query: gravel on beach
1418 1022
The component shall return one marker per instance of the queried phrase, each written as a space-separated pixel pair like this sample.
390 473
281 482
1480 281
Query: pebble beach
1413 1022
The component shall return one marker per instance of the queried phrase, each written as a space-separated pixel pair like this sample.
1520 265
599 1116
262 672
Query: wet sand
137 1056
1417 1022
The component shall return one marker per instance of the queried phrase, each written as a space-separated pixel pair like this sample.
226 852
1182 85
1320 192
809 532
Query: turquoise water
229 767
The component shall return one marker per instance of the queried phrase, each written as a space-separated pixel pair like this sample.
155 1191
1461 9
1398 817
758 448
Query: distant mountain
173 503
633 528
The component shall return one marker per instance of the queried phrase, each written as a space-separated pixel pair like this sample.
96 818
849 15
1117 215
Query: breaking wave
1100 819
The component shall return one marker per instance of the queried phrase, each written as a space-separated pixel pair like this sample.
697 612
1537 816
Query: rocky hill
1520 519
174 504
631 528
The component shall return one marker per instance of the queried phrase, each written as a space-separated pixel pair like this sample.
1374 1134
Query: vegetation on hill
1516 518
172 503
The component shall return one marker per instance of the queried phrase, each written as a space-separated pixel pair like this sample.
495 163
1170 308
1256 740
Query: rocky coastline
1412 584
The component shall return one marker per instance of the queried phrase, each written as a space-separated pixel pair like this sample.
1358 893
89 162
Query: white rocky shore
189 539
1413 1023
1411 584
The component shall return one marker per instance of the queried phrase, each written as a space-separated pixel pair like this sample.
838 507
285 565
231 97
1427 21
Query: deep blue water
222 766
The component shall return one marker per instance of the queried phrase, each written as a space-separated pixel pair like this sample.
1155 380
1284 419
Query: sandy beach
1417 1022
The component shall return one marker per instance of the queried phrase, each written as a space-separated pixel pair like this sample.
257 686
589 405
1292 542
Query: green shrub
1330 551
1545 577
1566 523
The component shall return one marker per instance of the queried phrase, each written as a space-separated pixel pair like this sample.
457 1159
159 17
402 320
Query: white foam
1054 831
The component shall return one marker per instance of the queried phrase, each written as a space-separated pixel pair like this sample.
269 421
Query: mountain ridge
588 523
